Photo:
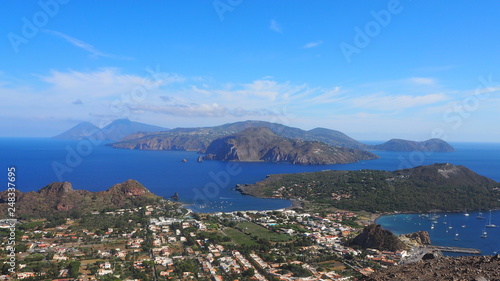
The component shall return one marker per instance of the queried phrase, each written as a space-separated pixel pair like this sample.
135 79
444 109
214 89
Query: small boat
480 216
484 234
184 160
432 226
200 158
490 225
456 237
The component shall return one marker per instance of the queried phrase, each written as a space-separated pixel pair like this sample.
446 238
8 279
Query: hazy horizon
383 70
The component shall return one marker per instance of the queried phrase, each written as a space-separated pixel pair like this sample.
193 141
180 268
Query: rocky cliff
61 197
419 238
198 139
261 144
375 237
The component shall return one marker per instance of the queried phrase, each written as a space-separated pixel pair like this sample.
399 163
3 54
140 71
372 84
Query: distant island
126 134
198 139
434 145
60 197
114 131
443 187
261 144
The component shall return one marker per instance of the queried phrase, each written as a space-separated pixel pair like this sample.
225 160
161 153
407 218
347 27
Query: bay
208 185
451 229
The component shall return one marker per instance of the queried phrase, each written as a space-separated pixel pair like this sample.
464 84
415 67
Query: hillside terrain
61 197
479 268
375 237
114 131
434 145
198 139
420 189
261 144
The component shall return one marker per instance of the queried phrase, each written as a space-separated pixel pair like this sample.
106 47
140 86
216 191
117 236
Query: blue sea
451 229
208 186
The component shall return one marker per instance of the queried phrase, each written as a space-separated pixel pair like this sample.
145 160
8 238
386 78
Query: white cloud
83 45
105 83
198 110
259 90
422 81
395 102
275 26
312 44
81 95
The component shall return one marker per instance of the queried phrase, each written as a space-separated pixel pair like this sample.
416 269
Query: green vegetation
74 267
420 189
260 232
297 270
293 226
239 237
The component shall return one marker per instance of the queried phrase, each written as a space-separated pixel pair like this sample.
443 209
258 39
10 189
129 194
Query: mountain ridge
61 197
201 137
432 145
116 130
262 144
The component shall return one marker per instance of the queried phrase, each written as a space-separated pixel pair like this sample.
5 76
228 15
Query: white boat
490 225
484 234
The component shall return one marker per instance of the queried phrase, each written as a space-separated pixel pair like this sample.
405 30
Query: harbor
456 233
455 249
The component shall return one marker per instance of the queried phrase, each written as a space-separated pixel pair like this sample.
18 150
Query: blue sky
374 70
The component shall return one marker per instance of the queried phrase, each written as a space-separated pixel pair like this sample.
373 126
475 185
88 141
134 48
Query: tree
74 268
249 272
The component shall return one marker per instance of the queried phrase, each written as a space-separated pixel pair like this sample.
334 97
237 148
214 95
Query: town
168 242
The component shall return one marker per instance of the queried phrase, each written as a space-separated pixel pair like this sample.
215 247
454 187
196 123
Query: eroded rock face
261 144
129 188
443 268
374 236
416 238
61 197
56 188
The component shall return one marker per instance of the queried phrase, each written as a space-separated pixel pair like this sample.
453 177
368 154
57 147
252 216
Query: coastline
296 204
452 229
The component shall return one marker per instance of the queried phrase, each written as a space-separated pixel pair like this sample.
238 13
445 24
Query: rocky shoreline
479 268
